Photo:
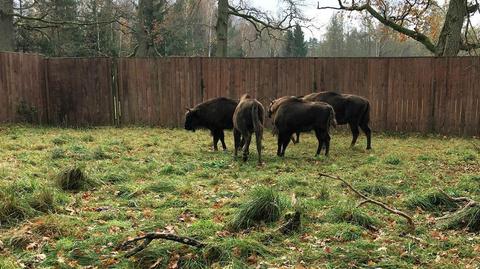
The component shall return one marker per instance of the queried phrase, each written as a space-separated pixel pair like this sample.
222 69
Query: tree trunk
222 28
450 39
7 41
145 29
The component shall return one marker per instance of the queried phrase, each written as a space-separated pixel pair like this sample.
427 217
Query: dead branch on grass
367 200
149 237
468 202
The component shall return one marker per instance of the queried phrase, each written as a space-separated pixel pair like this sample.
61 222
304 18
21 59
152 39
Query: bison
295 115
248 118
349 109
274 105
215 115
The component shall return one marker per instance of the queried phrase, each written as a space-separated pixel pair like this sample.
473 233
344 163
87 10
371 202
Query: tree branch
149 237
263 21
366 199
42 19
422 38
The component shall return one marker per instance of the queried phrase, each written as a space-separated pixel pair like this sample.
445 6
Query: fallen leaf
252 259
147 213
173 262
39 257
31 246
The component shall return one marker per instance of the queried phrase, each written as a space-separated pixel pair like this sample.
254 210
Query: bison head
191 120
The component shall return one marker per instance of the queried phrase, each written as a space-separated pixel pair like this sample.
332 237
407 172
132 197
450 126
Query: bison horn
188 109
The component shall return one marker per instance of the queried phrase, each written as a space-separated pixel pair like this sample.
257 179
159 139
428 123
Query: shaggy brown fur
248 118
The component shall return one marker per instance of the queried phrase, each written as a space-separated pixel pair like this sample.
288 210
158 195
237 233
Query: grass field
149 179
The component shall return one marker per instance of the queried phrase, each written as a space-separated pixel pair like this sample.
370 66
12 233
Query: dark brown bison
274 105
248 118
295 115
349 109
215 115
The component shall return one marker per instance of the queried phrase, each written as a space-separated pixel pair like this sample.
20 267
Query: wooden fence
79 91
22 88
406 94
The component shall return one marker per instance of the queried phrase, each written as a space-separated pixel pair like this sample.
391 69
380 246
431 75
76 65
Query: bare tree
410 18
260 20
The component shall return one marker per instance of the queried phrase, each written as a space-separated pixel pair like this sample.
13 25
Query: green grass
433 201
73 179
263 205
151 179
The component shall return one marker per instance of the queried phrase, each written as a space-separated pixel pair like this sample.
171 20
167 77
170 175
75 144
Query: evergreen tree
334 38
289 40
299 45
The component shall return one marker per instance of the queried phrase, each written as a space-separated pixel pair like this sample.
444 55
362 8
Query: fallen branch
367 200
457 199
468 203
149 237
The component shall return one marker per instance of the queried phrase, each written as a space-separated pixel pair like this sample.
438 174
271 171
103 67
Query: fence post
115 96
47 91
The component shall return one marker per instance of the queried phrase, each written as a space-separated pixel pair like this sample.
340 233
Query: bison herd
291 115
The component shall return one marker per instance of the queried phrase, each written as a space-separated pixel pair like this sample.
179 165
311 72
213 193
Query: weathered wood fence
407 94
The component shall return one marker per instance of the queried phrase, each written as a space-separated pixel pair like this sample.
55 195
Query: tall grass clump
58 153
378 189
43 200
432 201
392 160
263 205
465 219
13 207
61 140
100 154
352 215
73 179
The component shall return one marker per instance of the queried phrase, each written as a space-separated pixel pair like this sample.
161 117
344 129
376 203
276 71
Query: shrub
26 112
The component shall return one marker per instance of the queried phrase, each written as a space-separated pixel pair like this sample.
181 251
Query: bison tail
257 124
331 119
366 114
